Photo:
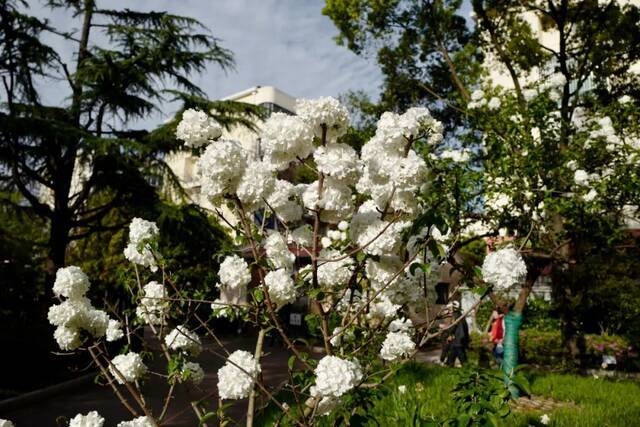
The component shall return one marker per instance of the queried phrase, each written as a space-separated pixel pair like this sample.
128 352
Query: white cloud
285 43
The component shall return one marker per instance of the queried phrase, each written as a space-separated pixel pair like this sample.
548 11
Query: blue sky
284 43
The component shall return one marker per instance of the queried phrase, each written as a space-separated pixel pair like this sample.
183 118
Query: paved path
91 397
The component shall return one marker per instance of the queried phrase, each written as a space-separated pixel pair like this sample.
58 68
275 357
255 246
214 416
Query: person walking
459 340
496 334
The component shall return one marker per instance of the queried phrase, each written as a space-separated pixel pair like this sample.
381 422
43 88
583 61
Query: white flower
624 99
334 273
281 287
142 231
129 367
456 156
343 226
351 301
590 196
494 103
545 419
381 310
284 139
326 405
236 383
138 422
195 372
197 129
71 282
182 339
67 338
339 161
401 325
504 268
477 95
278 252
152 307
97 322
142 234
302 235
327 112
92 419
335 377
6 423
144 258
581 177
255 186
378 237
71 313
221 167
114 330
325 242
283 201
335 201
396 346
340 335
234 272
402 389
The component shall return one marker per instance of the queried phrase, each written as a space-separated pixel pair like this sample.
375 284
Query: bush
545 348
538 314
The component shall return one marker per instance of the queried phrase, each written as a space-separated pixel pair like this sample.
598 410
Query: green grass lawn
427 392
596 402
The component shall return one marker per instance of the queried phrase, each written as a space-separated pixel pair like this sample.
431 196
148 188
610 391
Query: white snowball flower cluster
338 161
281 287
335 376
235 383
393 172
138 422
341 335
584 178
127 367
504 268
335 200
234 272
114 330
142 234
221 167
285 138
71 282
396 346
92 419
284 201
302 236
197 129
456 156
256 184
326 405
337 270
382 310
194 371
75 314
153 307
378 237
324 111
402 325
278 252
182 339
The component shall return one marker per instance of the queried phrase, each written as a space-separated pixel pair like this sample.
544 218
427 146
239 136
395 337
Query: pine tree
57 157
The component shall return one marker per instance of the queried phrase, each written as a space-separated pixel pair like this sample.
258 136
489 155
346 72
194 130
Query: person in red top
496 333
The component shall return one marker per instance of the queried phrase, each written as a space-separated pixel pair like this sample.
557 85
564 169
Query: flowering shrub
360 242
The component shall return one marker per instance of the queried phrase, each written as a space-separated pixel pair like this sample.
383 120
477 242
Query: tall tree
550 122
58 156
